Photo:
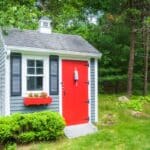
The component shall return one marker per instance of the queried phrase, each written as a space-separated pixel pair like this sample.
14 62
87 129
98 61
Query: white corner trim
60 86
96 90
7 86
48 51
3 43
89 91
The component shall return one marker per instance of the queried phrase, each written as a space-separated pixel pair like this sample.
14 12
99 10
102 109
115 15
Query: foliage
136 103
21 14
25 128
11 146
109 32
127 132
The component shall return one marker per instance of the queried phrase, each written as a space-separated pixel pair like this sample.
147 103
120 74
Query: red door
75 91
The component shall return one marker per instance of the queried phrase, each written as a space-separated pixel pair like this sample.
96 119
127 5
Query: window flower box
32 101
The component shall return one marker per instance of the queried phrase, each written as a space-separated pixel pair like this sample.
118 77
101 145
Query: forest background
119 29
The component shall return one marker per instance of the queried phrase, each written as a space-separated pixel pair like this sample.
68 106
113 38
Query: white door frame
60 84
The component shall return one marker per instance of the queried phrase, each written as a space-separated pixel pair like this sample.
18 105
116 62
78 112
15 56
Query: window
45 24
34 75
15 74
54 75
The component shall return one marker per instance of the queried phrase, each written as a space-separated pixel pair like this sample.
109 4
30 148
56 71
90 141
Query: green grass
118 130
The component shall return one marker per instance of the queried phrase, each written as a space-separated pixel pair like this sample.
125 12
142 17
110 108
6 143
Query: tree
113 32
21 14
146 57
135 14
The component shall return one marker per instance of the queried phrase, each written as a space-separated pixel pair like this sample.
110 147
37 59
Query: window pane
39 63
16 84
31 70
53 84
54 67
39 83
39 70
31 63
15 66
35 67
30 83
34 83
45 24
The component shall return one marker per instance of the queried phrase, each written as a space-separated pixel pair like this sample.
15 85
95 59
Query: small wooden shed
61 65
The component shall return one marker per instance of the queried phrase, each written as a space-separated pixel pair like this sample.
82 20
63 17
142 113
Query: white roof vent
45 25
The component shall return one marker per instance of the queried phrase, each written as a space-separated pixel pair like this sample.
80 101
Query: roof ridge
36 31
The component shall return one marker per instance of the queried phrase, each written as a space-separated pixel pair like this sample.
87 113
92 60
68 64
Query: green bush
26 137
25 128
11 146
136 103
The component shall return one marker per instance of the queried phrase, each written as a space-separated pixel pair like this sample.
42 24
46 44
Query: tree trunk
131 61
146 62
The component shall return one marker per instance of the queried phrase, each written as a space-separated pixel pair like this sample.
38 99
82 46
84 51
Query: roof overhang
41 51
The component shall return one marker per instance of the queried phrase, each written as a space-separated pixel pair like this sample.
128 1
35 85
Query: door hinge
87 82
87 64
87 101
87 119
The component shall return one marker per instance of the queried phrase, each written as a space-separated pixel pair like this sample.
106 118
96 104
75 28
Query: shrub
146 98
43 94
136 103
11 146
26 137
36 95
25 128
30 95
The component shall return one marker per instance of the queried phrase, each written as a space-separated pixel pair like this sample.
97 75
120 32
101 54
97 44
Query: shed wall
16 105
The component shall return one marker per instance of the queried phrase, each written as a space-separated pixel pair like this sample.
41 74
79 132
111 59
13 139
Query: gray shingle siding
16 105
92 73
2 75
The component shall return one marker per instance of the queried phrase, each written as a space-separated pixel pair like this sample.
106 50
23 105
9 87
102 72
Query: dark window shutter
15 64
54 74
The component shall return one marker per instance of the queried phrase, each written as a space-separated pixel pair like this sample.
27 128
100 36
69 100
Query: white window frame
45 60
35 74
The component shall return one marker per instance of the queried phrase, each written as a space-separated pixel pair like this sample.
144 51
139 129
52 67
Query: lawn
118 130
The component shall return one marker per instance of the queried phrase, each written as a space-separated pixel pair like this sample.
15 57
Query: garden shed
42 70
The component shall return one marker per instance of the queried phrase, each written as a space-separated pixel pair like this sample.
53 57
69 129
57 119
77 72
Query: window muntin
34 75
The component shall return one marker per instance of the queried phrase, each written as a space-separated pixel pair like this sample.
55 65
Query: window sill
35 101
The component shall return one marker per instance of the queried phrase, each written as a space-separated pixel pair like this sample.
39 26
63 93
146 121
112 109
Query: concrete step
74 131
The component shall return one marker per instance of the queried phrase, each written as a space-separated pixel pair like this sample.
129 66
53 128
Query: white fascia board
48 51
